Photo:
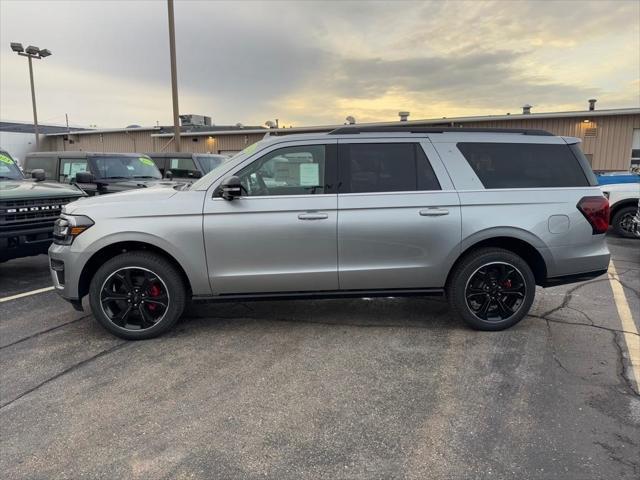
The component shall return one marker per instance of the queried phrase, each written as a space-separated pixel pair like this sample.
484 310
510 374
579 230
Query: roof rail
353 129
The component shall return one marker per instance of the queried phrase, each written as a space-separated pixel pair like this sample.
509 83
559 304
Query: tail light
596 211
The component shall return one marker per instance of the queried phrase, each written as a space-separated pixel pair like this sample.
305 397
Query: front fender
184 246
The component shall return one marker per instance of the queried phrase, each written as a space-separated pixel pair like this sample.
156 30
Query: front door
398 216
280 235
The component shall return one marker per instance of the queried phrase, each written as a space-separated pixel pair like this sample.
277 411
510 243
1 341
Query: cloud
315 62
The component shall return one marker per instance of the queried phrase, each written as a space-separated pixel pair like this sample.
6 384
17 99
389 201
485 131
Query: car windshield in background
8 169
209 162
125 167
215 172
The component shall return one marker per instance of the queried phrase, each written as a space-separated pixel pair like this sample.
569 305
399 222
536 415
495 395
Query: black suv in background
97 173
28 209
185 165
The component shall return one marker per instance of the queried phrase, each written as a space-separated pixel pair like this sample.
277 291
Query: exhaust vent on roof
526 109
404 116
592 103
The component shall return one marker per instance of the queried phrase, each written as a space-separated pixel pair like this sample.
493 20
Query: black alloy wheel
495 291
134 298
626 223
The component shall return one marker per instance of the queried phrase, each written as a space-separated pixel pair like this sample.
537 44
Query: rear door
398 216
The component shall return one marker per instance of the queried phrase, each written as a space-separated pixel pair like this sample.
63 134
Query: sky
311 63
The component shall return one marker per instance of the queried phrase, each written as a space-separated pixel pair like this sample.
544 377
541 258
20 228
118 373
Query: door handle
313 216
433 212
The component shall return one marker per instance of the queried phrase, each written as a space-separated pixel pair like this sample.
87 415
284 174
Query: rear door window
524 165
385 167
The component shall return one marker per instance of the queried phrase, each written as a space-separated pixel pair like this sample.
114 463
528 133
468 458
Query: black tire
509 300
145 273
625 214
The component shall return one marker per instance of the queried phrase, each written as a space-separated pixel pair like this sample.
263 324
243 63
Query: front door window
299 170
69 167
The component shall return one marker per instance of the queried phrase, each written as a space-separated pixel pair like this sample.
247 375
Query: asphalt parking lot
362 389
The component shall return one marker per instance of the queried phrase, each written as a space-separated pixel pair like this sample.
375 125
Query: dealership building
610 138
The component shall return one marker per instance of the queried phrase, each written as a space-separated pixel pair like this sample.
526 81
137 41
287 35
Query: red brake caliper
154 291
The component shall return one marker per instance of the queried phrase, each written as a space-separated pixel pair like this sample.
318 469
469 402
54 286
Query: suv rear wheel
137 295
622 221
491 289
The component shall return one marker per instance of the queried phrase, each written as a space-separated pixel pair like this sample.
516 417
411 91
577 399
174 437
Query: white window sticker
174 163
66 169
309 174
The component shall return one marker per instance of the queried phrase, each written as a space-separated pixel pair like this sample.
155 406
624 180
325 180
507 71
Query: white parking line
25 294
630 334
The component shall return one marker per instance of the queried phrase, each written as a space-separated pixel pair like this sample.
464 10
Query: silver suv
481 215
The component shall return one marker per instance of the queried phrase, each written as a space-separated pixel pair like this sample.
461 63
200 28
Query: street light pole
33 101
32 52
174 77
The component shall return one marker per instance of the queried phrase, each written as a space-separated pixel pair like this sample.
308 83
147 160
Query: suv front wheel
137 295
491 289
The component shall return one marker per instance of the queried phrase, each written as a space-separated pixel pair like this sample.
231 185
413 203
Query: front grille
22 215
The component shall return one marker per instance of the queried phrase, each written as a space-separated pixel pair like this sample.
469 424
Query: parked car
28 209
97 173
482 215
623 199
607 178
185 165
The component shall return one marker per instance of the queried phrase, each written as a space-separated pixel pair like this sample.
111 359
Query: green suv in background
97 173
28 209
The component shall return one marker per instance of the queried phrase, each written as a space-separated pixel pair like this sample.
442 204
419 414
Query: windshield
215 172
122 166
209 162
8 168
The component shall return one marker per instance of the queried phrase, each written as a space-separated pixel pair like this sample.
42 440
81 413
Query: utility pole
32 52
174 76
33 102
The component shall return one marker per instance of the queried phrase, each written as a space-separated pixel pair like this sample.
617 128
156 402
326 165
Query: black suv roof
72 154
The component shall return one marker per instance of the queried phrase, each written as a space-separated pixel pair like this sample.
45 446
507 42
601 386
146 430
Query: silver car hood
130 199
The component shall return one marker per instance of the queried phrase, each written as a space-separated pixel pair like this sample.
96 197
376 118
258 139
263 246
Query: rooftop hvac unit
192 120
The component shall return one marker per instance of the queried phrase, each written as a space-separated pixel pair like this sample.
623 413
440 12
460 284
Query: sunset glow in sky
315 63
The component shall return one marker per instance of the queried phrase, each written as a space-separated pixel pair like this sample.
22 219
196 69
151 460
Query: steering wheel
254 184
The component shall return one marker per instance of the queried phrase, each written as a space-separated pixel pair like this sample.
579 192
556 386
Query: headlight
68 227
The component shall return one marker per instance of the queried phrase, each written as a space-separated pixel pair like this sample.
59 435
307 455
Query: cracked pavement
381 388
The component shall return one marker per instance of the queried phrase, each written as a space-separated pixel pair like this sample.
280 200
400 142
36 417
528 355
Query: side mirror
39 175
85 177
168 175
230 188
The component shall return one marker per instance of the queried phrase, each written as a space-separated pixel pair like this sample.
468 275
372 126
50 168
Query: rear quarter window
524 165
